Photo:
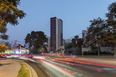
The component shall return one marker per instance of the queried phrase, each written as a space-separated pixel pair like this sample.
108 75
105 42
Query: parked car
30 55
3 56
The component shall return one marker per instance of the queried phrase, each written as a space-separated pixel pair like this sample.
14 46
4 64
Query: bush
37 51
96 53
34 51
90 53
106 53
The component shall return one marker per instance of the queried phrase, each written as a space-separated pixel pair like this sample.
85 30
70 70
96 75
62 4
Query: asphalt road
82 70
38 69
48 68
45 70
88 72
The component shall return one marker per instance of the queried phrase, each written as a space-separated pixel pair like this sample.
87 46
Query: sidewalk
101 60
9 68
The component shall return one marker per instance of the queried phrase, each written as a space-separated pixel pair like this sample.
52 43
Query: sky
75 14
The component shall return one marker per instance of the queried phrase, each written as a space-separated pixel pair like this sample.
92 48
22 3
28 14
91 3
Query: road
78 68
37 67
71 67
44 70
89 71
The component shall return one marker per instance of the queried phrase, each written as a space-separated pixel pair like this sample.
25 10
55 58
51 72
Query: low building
17 51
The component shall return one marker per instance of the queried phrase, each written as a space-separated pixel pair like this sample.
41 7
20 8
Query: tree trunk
98 50
98 46
114 52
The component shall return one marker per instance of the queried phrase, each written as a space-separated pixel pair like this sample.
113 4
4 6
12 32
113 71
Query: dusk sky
75 14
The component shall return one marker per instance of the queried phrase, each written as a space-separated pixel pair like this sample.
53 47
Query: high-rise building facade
56 33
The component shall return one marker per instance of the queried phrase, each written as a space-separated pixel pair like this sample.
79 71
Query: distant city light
18 52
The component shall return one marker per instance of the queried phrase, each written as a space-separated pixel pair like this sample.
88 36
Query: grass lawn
24 71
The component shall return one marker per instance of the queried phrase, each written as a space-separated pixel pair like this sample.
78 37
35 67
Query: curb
32 71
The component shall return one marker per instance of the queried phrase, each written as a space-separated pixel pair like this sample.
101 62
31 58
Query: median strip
24 71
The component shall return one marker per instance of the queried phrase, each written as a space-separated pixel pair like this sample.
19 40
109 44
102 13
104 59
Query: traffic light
19 46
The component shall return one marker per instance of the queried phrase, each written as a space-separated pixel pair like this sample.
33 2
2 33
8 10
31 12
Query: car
30 55
3 56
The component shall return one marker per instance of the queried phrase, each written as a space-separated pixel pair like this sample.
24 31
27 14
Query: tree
111 20
95 32
77 43
3 48
9 13
103 32
36 39
28 40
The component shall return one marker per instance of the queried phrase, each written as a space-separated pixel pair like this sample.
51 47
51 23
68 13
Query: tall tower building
56 33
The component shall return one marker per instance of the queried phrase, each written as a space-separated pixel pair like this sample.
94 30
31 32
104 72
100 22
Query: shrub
90 53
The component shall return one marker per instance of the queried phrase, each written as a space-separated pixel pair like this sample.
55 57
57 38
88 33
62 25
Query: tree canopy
9 13
95 32
3 48
111 21
36 39
77 42
103 32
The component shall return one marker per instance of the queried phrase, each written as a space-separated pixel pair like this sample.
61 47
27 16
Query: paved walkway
111 61
9 68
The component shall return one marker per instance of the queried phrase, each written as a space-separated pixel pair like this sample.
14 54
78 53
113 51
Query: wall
103 49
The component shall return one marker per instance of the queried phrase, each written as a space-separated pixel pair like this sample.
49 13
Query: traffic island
24 70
